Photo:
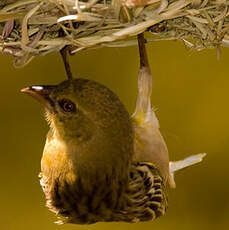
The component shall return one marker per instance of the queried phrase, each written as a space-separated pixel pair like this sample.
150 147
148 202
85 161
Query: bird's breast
56 162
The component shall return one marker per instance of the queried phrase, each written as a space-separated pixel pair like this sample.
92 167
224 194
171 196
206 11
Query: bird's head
88 115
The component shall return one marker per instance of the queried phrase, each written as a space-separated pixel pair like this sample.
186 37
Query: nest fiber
29 28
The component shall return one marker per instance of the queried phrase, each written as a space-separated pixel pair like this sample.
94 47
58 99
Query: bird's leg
64 55
149 143
143 106
142 51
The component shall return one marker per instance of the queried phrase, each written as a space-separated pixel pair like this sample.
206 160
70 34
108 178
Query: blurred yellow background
191 94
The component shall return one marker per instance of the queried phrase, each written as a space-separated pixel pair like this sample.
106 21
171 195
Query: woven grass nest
29 28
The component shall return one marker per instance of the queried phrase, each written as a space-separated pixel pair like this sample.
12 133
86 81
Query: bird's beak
41 94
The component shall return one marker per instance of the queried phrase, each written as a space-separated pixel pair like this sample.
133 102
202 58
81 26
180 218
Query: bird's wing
146 194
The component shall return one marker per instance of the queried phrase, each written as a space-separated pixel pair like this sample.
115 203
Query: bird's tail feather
178 165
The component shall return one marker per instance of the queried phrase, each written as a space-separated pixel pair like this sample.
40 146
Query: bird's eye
67 105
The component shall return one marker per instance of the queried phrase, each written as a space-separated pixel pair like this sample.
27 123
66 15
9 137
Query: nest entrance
30 28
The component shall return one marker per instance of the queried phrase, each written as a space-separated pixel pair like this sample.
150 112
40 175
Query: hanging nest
29 28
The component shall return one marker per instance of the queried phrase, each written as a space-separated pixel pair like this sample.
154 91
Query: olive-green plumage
88 171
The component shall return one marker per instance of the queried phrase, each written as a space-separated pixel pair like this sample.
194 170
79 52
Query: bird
99 163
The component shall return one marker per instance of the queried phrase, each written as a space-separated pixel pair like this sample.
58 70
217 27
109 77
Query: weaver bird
99 163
